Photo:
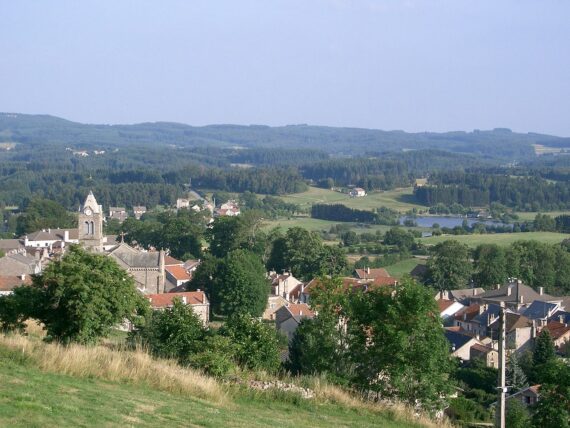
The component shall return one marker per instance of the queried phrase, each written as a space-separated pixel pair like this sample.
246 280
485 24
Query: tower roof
91 202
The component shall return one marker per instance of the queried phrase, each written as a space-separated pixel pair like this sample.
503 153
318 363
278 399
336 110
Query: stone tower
91 224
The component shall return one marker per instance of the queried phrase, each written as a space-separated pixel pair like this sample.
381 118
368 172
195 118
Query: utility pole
501 388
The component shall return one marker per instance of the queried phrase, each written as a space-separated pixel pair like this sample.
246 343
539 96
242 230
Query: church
146 267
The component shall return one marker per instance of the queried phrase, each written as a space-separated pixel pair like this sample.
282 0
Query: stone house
196 299
519 331
288 317
147 268
489 355
274 303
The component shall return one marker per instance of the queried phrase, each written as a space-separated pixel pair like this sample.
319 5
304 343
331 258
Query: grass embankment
45 385
502 239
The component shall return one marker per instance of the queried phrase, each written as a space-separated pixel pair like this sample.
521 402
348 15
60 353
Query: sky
417 65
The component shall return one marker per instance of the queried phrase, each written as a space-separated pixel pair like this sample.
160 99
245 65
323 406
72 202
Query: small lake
449 221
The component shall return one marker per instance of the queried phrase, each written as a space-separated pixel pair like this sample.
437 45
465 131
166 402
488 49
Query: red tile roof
170 261
468 313
8 283
165 300
443 304
557 329
179 273
374 273
385 280
300 309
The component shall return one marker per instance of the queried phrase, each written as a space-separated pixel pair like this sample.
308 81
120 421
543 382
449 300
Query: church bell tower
91 224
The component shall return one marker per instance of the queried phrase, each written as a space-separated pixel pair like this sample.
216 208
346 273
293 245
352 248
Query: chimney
474 291
509 291
498 286
23 277
533 329
560 318
300 312
198 290
26 241
66 236
541 290
184 299
368 270
521 299
519 282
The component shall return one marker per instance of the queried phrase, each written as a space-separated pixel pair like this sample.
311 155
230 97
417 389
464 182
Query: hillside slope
34 394
500 143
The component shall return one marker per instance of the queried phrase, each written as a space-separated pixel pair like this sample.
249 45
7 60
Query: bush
216 357
256 344
173 333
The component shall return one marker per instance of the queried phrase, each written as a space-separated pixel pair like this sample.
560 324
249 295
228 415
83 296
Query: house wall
274 303
288 327
520 339
151 278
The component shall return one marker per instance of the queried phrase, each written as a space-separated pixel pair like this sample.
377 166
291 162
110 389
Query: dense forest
497 143
155 163
477 189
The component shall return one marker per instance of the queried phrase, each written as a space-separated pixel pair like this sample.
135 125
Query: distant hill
498 143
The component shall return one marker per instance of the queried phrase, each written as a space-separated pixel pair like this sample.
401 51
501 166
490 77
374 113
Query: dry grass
327 392
139 368
136 367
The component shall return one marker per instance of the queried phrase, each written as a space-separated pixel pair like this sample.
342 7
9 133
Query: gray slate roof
456 338
136 259
539 309
512 293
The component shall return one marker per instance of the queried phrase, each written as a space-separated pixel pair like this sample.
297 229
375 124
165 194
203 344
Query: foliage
466 410
305 255
449 267
400 238
216 357
544 350
340 212
553 408
175 332
231 233
517 416
80 297
516 378
180 232
256 344
239 285
397 337
490 265
41 214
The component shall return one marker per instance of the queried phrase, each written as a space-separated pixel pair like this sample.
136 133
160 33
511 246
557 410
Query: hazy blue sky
412 65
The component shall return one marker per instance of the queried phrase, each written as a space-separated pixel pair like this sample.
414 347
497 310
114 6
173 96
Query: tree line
536 264
472 189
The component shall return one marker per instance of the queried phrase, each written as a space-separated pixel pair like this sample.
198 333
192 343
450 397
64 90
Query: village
470 316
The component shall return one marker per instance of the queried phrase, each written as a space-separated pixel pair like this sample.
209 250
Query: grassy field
403 267
499 238
50 386
531 215
401 200
320 225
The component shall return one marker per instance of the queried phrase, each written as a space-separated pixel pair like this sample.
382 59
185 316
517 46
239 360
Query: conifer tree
516 379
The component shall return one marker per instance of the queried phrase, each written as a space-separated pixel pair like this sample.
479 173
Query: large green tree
255 343
42 213
304 253
239 285
449 266
175 332
80 297
396 337
490 265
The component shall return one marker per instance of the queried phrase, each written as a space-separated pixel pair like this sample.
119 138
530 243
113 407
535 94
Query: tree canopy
79 298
